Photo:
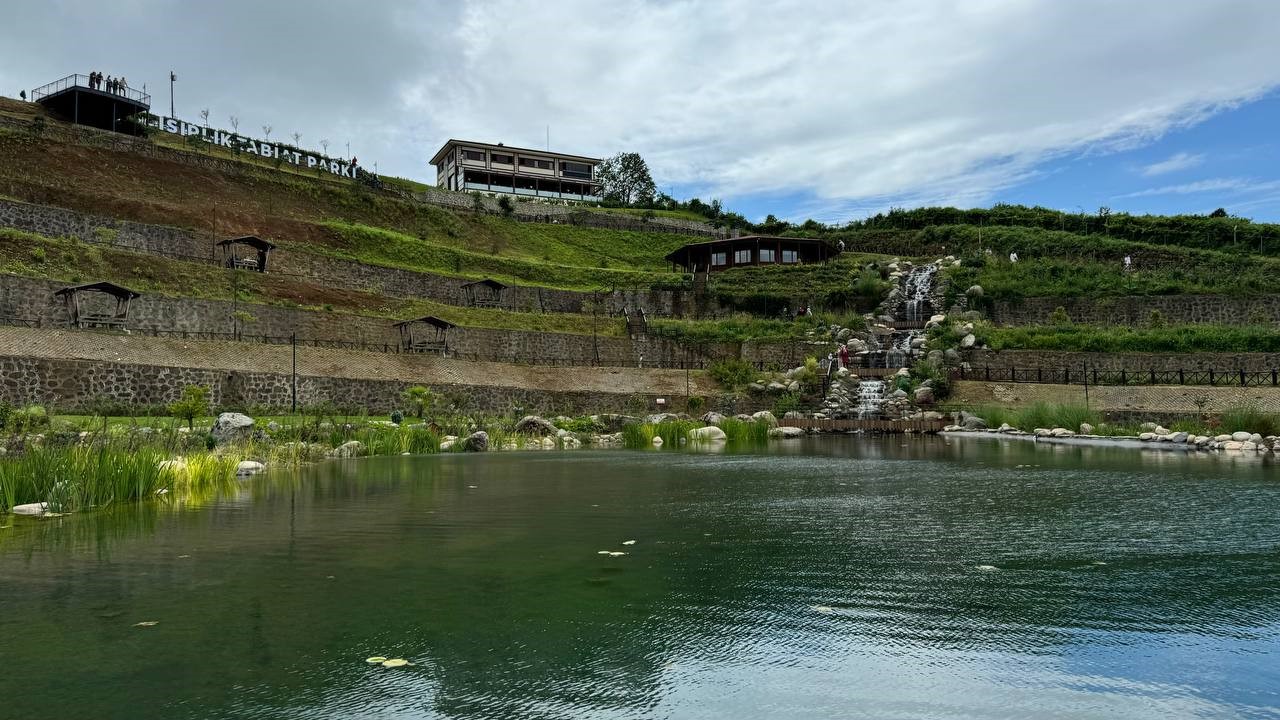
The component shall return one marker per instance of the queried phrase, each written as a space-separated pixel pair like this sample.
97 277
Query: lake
834 577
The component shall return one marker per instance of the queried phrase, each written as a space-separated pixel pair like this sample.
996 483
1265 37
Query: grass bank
1113 339
1071 416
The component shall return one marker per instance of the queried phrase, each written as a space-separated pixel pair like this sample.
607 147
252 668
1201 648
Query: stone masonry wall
34 300
1136 310
198 246
77 384
1135 361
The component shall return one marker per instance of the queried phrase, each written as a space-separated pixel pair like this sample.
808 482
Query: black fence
1099 376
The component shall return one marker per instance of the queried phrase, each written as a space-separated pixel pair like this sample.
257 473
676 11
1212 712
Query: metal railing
82 81
1099 376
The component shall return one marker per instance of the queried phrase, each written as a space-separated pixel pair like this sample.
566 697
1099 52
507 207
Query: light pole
172 78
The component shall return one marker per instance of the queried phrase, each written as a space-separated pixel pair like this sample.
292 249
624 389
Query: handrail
82 81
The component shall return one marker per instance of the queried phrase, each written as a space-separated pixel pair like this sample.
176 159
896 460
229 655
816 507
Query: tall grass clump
1249 419
1039 415
673 433
742 432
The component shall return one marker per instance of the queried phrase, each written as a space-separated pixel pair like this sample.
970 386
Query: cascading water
916 288
900 353
870 398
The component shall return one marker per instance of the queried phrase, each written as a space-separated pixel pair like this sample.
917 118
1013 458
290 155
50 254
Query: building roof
251 240
428 319
487 282
109 288
673 256
435 159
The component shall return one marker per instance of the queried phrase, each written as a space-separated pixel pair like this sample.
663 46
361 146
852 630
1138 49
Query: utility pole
172 78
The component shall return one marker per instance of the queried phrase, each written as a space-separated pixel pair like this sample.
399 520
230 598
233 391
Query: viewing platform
72 98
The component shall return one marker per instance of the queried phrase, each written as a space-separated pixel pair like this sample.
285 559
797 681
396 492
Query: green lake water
835 577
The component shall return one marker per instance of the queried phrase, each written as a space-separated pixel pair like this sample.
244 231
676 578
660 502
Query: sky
824 110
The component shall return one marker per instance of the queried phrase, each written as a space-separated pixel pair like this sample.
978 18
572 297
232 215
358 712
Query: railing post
1039 374
1211 382
1273 376
1066 376
1242 381
1182 380
1123 379
988 372
1153 376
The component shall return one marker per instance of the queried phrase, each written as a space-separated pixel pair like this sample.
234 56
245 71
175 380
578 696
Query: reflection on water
834 577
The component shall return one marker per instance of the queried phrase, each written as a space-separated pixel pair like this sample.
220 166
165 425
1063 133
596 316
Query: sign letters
261 148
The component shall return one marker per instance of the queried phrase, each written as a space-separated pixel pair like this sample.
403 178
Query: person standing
844 355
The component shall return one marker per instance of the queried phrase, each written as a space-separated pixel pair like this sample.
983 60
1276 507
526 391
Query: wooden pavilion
90 305
248 252
484 293
428 334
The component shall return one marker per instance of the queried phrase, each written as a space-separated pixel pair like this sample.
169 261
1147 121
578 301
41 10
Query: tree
1219 213
204 114
297 139
419 399
235 123
325 144
625 178
193 404
266 132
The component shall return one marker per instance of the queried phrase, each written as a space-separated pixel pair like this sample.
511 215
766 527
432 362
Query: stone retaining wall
76 385
1133 361
1136 310
198 246
34 300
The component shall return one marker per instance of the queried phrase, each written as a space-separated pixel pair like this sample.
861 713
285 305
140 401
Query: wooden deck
884 426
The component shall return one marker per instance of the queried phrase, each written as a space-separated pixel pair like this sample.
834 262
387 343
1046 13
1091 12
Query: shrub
420 399
694 404
787 402
732 373
194 403
28 418
1249 419
1059 316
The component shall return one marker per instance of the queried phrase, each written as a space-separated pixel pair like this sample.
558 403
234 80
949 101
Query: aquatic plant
743 432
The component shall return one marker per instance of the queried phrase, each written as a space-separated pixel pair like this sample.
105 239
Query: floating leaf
147 623
628 542
375 660
395 662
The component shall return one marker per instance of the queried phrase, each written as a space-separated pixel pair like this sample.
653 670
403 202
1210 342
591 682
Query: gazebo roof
487 282
251 240
428 319
109 288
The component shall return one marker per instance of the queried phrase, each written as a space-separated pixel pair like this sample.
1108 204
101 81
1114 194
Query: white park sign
261 148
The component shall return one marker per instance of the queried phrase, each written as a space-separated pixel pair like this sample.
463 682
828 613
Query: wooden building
97 305
247 252
750 250
484 293
428 334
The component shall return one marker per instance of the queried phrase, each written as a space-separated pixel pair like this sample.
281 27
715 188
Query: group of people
110 84
806 311
841 356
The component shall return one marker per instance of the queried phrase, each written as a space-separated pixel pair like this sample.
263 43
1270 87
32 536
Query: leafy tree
504 203
193 404
1219 213
625 178
420 399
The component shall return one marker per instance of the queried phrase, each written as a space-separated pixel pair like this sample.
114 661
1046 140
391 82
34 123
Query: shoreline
1133 442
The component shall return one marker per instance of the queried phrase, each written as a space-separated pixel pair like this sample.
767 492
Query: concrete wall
1136 310
198 246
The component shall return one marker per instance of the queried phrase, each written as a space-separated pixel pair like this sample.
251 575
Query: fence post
1242 380
1181 378
1153 376
1211 382
1039 374
1123 379
1273 376
988 372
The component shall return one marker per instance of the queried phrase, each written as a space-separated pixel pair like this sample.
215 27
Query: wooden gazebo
89 305
484 293
427 334
248 252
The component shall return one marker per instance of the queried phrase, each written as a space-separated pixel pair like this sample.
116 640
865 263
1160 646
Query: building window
790 256
536 163
473 155
719 258
500 158
575 170
741 257
768 255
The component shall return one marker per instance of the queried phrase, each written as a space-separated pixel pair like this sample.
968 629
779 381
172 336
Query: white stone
1086 429
1221 438
765 416
1241 436
349 449
1161 430
1061 432
1231 445
1147 436
710 433
249 467
786 433
448 444
1248 445
1256 439
231 426
30 509
1178 437
968 341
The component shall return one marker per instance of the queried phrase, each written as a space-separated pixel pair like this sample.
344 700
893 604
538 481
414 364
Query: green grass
1111 339
767 289
559 256
735 329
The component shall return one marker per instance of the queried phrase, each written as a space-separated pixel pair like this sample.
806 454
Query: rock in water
534 425
349 449
786 433
476 442
765 416
710 433
712 418
249 467
230 427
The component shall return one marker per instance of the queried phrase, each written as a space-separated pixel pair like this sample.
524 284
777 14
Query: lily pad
375 660
395 662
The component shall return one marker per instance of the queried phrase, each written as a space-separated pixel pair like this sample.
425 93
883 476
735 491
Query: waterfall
870 398
916 288
899 354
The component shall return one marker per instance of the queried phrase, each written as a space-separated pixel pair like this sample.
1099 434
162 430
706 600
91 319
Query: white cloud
849 105
1231 187
1176 162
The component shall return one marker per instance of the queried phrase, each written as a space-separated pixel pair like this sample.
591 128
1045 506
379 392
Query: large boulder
249 467
969 421
534 425
231 427
476 442
1086 429
1241 436
786 433
661 418
712 418
710 433
765 416
349 449
968 341
611 423
924 396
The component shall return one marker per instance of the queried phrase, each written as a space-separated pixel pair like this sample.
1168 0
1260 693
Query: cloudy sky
830 110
